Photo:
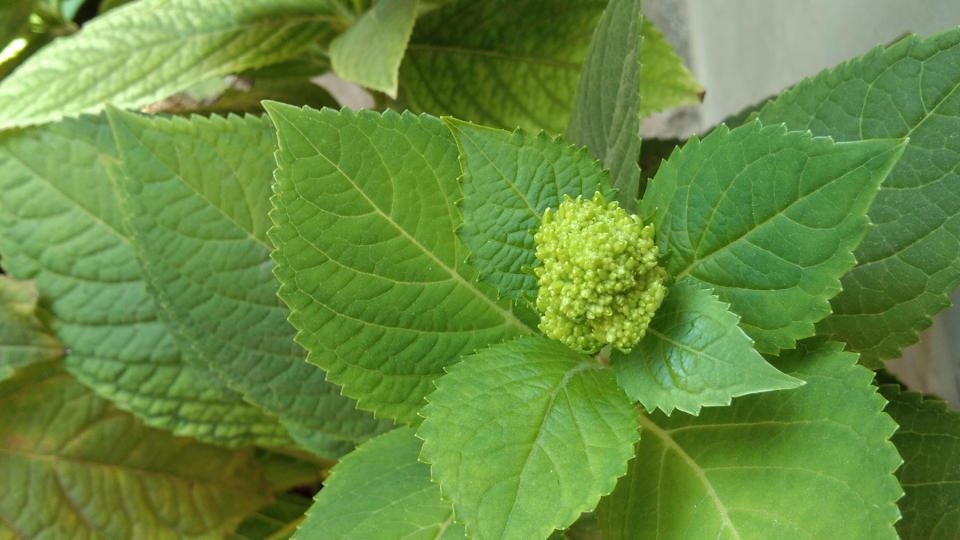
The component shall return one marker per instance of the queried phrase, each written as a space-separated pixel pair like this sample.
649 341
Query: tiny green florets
599 280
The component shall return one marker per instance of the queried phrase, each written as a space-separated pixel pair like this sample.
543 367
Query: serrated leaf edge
585 507
363 402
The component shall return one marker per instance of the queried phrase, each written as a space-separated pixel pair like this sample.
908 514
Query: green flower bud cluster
599 279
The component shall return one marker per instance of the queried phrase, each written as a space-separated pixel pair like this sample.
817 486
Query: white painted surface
745 50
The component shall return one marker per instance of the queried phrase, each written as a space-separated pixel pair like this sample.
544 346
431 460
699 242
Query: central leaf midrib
700 259
508 317
176 176
671 444
503 175
561 385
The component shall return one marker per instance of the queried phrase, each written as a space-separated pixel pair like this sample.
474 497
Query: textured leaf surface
367 255
694 355
606 114
196 193
320 444
23 337
73 466
60 225
909 262
370 51
929 441
813 462
381 491
509 180
506 63
525 435
147 50
275 522
665 82
767 219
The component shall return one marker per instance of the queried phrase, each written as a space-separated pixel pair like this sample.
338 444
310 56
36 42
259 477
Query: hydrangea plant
599 282
225 294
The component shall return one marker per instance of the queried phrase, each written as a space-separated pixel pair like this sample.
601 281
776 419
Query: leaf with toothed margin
525 435
929 441
506 63
909 262
147 50
694 355
509 180
381 491
60 226
74 466
812 462
195 194
606 112
630 72
24 339
665 82
367 255
768 220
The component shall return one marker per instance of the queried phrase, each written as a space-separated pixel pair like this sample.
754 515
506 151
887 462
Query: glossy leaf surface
694 355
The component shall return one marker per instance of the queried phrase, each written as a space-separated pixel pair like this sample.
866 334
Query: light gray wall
745 50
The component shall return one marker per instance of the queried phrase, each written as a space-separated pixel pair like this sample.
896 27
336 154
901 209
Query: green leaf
370 51
606 114
665 83
929 441
381 491
506 63
768 220
196 191
367 255
14 15
147 50
312 61
525 435
813 462
320 444
509 180
275 522
694 355
60 225
24 339
76 467
909 262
